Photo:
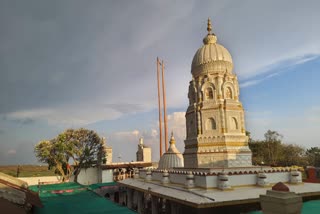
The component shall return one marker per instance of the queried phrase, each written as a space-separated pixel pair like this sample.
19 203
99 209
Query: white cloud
275 69
66 116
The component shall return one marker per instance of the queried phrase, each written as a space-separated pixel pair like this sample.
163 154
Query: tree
83 146
273 144
292 155
313 156
271 151
52 153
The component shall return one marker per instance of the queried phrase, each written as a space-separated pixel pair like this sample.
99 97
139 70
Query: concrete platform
205 198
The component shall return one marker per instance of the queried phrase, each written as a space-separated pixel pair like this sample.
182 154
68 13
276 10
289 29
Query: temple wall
211 181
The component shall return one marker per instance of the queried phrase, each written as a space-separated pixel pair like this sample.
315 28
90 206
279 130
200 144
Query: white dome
211 56
172 158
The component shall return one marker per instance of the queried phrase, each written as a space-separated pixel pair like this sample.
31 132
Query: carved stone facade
215 116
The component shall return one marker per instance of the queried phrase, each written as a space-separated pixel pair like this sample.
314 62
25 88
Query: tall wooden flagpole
159 106
164 109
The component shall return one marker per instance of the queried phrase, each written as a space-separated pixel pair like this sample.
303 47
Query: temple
215 117
215 173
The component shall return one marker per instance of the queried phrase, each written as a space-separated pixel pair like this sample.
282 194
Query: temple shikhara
215 117
216 155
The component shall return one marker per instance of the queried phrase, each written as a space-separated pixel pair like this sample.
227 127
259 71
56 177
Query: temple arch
211 124
209 93
234 124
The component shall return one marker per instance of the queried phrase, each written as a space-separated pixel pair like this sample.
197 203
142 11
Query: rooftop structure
171 158
15 197
144 152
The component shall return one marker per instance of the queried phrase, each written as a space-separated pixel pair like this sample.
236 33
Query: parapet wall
209 178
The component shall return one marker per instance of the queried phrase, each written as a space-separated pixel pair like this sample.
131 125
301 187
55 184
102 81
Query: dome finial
172 140
210 38
209 28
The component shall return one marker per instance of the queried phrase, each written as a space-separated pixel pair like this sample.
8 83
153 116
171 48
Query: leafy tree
259 152
52 153
83 146
271 151
273 146
313 156
292 155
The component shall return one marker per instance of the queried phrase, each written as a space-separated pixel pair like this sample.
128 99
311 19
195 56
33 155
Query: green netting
97 186
309 207
75 198
61 186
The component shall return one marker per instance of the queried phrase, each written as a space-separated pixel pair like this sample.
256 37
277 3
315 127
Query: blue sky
70 64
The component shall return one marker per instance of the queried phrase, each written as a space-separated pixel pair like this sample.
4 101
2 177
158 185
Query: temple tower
215 117
144 152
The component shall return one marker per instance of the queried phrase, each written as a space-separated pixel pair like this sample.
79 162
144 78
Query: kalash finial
172 140
209 28
210 38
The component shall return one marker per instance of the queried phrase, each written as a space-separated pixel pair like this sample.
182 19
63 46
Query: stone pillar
148 175
190 180
121 197
262 179
280 201
130 198
136 173
295 177
140 202
154 204
168 206
174 207
223 181
165 177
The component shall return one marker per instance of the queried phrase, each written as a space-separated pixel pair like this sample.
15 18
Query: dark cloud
19 121
60 53
125 107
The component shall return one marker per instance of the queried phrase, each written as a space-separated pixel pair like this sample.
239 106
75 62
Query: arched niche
211 124
208 91
234 124
228 90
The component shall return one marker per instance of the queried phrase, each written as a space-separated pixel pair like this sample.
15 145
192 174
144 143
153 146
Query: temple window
211 124
228 93
209 93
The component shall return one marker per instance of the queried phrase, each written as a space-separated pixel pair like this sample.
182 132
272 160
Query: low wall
43 179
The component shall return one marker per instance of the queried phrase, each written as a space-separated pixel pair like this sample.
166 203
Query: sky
92 64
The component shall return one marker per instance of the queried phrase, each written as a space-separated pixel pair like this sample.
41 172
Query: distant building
110 171
144 152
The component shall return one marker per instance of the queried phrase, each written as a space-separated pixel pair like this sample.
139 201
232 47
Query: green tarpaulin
75 198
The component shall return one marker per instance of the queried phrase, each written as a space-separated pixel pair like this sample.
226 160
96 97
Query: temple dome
172 158
211 57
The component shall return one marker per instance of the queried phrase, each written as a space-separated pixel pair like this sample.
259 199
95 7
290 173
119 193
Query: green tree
273 146
52 153
313 156
84 147
292 155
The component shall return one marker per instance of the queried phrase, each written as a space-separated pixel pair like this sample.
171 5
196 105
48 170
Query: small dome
211 56
172 158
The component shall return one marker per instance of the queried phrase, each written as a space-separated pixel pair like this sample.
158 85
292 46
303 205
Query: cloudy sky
73 63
